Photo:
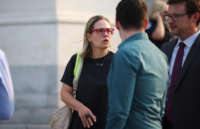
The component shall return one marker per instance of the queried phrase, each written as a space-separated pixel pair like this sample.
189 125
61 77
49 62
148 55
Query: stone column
28 36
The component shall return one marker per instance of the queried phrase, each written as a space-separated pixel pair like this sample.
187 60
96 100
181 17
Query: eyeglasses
103 30
175 16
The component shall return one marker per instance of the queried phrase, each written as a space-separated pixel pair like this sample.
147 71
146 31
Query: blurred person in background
6 89
157 29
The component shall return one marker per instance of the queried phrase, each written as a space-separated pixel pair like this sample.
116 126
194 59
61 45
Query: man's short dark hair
131 14
192 6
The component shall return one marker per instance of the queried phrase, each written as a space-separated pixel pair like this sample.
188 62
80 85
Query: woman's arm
159 31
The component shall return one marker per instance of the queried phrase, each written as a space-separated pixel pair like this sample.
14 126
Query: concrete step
23 126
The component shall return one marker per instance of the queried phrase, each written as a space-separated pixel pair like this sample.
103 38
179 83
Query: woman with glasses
90 106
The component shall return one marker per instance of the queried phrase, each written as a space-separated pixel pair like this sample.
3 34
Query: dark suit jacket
186 98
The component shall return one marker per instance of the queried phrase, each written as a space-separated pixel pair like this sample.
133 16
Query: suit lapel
168 48
189 60
171 48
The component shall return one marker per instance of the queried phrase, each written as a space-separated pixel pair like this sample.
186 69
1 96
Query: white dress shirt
188 44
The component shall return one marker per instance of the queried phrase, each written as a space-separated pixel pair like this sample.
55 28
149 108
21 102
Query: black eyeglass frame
174 16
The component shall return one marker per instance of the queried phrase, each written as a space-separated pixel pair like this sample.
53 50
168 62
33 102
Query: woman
157 29
90 105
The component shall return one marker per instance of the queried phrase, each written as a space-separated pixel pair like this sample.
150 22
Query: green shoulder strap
78 66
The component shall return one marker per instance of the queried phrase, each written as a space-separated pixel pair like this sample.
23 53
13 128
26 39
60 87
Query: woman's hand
157 16
86 115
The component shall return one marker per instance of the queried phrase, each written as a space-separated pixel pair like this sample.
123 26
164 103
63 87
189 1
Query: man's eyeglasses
175 16
103 30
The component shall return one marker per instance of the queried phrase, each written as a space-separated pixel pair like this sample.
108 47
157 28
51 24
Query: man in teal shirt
137 82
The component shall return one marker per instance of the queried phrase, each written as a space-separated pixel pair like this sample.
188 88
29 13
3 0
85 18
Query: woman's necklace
101 63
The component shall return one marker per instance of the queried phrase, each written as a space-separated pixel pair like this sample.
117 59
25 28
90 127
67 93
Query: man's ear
117 24
196 16
146 24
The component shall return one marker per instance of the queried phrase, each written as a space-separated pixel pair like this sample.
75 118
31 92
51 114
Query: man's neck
98 53
188 33
125 34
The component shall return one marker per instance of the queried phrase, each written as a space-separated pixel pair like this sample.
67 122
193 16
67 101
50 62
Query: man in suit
137 81
6 90
183 103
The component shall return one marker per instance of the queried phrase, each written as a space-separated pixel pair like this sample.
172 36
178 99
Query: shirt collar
140 35
189 41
